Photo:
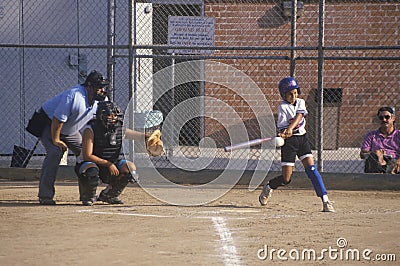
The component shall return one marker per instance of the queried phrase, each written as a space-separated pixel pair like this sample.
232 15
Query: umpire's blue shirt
72 108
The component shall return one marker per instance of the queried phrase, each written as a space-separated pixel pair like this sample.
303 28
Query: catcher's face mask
110 117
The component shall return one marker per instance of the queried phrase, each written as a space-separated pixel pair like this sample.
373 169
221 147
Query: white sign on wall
191 31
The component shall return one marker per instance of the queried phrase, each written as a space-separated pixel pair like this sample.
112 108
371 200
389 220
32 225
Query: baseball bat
246 144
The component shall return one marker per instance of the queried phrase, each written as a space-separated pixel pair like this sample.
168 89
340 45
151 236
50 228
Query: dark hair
389 109
95 79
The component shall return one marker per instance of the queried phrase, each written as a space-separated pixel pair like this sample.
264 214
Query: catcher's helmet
288 84
105 110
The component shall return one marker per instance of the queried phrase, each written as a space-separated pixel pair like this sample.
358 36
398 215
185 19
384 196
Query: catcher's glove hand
154 145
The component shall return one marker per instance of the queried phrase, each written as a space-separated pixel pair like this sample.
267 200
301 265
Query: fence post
132 73
320 90
110 46
293 39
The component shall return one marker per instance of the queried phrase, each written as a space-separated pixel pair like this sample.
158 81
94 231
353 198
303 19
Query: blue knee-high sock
316 180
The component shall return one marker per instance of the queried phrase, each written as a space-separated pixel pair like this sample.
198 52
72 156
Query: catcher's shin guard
88 181
133 177
316 180
113 190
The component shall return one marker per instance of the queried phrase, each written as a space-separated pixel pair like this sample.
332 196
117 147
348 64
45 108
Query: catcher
100 159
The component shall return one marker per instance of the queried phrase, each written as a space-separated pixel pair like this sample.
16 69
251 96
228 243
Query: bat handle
227 148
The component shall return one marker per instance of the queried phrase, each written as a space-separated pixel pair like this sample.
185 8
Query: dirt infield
233 230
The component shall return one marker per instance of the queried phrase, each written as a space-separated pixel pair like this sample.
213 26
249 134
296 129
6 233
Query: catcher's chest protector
102 147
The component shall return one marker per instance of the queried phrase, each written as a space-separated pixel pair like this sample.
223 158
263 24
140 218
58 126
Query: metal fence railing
210 66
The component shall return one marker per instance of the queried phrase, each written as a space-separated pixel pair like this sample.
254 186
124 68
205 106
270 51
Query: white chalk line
128 214
228 251
154 215
233 211
228 248
203 214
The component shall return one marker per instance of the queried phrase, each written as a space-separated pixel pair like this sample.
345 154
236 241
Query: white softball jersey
287 112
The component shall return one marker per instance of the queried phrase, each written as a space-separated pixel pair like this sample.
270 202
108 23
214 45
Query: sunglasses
387 117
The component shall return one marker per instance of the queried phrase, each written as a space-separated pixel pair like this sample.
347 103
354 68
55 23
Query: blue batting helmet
288 84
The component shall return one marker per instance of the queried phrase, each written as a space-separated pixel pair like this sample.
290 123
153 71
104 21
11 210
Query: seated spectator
381 147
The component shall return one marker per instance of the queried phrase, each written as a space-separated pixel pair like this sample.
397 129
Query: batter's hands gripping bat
278 142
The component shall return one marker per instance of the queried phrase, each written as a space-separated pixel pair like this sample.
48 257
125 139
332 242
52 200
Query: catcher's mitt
154 145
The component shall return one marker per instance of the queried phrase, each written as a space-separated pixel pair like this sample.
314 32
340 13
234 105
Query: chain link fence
212 69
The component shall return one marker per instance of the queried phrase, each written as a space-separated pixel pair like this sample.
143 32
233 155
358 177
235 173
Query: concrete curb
333 181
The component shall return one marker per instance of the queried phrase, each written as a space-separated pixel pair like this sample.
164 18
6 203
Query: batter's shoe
266 193
328 206
111 200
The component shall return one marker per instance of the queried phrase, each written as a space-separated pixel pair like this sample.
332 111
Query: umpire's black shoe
87 203
46 201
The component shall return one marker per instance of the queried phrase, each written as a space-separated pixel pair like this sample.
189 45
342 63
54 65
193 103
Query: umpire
68 112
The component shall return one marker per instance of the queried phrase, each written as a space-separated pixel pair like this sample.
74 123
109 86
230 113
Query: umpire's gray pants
52 160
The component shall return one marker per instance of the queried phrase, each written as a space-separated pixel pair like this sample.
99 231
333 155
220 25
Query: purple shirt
375 140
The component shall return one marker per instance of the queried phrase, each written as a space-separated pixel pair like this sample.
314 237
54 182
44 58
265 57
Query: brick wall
366 84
